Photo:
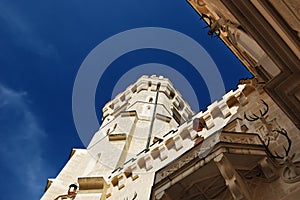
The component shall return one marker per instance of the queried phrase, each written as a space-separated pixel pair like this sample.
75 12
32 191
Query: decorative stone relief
240 138
268 127
290 165
270 131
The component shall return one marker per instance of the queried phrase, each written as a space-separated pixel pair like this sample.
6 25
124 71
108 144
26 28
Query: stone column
234 181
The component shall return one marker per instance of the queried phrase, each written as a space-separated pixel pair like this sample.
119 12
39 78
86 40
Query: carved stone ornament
291 169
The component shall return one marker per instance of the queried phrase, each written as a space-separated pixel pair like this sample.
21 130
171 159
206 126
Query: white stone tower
135 119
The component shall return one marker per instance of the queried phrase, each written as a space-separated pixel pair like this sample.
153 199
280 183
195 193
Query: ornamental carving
290 165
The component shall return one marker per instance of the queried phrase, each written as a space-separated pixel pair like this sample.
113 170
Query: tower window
72 189
172 94
176 116
134 89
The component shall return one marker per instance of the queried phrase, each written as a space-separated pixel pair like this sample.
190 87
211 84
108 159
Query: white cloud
21 149
22 30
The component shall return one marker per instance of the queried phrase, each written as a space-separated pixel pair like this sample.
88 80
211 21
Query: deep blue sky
43 44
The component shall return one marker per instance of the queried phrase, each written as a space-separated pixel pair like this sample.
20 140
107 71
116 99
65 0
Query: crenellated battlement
144 91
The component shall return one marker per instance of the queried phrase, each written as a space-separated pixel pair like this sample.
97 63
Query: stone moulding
228 143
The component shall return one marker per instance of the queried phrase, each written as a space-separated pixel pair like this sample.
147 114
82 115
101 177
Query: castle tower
135 119
131 123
